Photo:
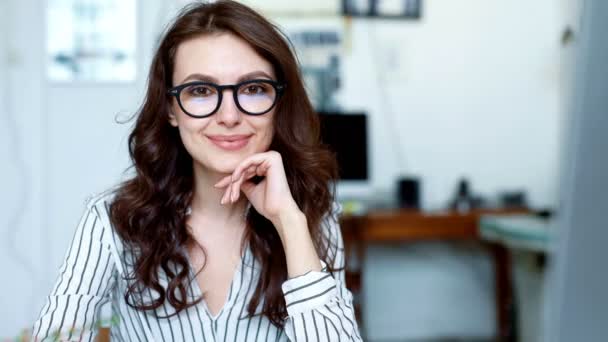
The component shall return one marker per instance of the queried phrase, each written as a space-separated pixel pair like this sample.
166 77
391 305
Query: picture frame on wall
385 9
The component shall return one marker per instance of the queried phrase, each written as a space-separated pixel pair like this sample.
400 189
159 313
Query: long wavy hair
149 209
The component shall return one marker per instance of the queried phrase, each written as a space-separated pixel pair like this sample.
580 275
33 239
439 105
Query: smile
231 143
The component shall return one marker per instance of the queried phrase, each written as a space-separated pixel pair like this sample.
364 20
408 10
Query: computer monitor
347 135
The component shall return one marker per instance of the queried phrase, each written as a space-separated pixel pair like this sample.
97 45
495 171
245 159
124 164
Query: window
91 40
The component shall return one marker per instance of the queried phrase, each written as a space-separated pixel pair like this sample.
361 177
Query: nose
228 113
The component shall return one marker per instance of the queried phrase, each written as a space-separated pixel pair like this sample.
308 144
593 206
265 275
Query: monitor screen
346 135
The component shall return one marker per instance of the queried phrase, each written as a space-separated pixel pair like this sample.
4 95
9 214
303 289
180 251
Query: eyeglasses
201 99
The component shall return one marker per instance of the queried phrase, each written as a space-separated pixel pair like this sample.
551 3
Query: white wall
21 136
60 144
476 94
472 90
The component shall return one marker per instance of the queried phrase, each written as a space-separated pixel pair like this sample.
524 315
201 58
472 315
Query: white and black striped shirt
319 305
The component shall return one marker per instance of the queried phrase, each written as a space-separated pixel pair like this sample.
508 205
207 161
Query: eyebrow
211 79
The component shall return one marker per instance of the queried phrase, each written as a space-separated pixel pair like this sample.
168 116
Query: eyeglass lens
202 99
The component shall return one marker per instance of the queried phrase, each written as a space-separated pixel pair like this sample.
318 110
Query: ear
172 119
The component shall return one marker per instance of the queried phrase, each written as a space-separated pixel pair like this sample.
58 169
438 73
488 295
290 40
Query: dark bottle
463 201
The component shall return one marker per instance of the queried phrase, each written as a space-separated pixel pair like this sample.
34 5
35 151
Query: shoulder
98 203
102 198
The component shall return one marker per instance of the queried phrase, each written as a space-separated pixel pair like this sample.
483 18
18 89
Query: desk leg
504 293
354 276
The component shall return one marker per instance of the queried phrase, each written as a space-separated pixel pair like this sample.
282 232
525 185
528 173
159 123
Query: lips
230 142
234 137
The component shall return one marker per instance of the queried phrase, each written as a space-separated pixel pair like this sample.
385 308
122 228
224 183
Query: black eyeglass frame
176 92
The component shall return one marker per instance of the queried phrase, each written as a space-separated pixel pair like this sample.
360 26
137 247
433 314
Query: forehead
223 56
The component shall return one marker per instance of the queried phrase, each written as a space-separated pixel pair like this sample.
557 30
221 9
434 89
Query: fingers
233 190
236 187
225 196
257 164
255 159
223 182
261 169
247 187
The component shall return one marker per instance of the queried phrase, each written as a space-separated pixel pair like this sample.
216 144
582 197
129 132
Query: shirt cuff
309 291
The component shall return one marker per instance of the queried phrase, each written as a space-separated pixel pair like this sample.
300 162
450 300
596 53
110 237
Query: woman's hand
271 197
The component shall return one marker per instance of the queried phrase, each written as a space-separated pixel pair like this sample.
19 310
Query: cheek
178 114
190 131
266 135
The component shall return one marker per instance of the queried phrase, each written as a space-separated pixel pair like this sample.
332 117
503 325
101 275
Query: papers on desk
527 232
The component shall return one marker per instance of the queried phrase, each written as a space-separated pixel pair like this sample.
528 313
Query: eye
255 89
200 90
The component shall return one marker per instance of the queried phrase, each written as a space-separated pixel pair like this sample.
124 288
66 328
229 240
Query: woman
227 230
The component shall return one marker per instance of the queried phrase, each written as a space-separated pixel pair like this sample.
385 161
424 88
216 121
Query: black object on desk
409 193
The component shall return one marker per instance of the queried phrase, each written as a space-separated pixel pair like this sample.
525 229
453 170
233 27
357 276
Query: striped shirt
318 304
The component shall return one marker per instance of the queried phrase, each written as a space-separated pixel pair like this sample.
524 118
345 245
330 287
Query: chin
223 167
225 164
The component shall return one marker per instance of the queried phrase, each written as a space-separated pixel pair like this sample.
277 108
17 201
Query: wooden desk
399 225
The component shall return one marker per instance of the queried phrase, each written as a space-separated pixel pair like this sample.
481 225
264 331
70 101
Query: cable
385 101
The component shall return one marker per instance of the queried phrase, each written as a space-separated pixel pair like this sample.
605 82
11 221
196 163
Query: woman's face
222 59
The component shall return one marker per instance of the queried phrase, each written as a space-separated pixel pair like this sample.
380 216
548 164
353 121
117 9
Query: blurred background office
470 134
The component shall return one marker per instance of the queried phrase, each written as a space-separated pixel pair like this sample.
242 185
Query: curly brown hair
149 209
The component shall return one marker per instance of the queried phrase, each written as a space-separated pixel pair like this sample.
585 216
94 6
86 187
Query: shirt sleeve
319 306
82 287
